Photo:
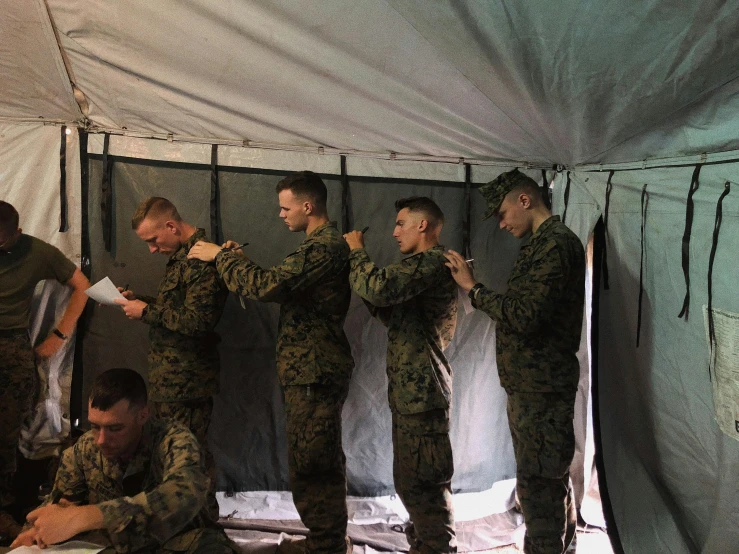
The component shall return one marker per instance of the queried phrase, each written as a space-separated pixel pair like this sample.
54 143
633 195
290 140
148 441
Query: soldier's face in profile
513 216
293 211
117 431
407 231
161 237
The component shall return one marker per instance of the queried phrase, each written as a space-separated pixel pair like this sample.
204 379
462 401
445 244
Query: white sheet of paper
71 547
105 292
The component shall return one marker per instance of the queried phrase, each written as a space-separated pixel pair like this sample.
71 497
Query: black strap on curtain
714 243
644 203
344 197
63 226
215 197
545 189
567 197
467 223
609 188
106 196
686 240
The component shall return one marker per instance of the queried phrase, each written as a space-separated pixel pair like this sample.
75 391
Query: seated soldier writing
139 481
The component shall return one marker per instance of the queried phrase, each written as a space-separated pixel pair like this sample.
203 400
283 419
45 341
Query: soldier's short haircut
8 218
118 384
422 204
306 185
154 207
530 187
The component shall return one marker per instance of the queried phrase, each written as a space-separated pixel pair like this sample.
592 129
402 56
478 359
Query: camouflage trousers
422 472
317 464
17 394
195 415
195 541
544 444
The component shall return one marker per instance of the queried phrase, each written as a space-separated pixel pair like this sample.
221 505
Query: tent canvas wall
410 95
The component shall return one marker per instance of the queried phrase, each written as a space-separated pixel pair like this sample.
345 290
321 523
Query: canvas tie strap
686 240
609 188
106 196
467 223
567 197
714 243
215 196
644 203
545 189
344 197
63 181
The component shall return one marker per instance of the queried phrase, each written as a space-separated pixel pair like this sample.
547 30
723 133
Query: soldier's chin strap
644 203
686 240
714 243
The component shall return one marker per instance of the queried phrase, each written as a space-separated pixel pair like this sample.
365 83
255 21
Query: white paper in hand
105 292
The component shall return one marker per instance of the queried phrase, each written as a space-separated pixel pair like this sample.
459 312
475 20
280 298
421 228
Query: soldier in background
184 366
24 261
140 481
417 300
314 361
538 325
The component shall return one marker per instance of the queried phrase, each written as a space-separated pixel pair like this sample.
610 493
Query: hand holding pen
355 239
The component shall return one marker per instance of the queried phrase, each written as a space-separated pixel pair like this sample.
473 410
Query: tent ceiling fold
540 82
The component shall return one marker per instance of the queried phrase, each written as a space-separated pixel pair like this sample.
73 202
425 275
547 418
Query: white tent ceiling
541 82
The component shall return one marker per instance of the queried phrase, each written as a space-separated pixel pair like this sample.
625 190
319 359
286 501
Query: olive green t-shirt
29 261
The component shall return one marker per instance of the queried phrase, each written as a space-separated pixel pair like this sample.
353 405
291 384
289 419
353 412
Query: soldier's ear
143 415
423 225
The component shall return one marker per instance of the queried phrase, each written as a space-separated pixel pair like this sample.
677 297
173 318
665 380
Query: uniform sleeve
395 283
381 314
298 272
59 267
531 303
203 304
162 512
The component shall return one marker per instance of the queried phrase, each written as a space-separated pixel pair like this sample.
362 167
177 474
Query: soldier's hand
205 251
461 270
133 308
49 347
127 294
355 239
26 538
55 523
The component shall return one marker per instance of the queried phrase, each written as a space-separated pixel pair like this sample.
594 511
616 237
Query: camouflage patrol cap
495 191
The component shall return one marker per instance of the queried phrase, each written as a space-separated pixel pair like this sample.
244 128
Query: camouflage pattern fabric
156 502
17 393
417 300
313 354
539 318
195 415
422 472
311 287
544 444
183 358
317 464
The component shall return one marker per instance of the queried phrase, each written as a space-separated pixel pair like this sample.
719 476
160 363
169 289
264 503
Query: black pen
237 246
365 229
125 288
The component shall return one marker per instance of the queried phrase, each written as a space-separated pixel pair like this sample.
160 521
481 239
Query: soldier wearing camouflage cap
314 360
132 482
538 325
184 364
417 300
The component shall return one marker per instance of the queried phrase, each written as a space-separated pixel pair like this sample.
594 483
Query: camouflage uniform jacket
183 360
312 289
158 495
539 317
417 300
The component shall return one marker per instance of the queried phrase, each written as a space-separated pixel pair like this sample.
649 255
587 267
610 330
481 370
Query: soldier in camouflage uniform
538 325
184 365
314 361
417 300
130 483
24 261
